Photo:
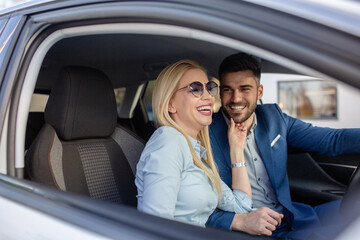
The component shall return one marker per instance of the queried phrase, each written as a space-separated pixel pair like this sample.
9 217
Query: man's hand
261 221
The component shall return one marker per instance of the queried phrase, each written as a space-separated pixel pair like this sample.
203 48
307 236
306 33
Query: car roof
323 12
170 49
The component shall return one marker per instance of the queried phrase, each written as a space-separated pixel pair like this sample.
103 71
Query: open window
131 43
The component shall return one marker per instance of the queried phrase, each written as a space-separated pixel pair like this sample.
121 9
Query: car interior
98 116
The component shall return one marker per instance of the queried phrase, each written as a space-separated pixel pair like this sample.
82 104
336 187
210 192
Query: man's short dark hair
240 62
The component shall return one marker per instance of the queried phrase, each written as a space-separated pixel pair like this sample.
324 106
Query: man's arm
261 221
328 141
221 219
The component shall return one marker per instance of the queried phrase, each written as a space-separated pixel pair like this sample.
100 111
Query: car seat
80 148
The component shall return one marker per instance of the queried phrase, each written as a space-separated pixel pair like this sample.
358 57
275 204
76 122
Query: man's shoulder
269 114
267 107
269 110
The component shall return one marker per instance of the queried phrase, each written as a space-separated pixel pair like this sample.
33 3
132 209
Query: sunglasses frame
202 91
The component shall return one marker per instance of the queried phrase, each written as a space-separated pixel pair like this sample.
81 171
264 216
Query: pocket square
275 140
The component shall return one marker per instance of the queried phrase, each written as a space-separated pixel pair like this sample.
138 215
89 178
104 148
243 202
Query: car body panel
311 48
80 216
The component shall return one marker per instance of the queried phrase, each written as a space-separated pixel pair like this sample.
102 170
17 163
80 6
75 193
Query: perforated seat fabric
80 148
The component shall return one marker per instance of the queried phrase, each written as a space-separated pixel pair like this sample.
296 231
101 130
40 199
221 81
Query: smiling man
239 95
270 132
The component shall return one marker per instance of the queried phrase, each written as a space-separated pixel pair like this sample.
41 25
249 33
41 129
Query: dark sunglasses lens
197 88
212 88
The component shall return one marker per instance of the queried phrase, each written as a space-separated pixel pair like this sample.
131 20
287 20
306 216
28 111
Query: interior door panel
341 168
310 183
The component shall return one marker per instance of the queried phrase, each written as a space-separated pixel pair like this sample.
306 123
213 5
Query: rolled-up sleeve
234 200
158 178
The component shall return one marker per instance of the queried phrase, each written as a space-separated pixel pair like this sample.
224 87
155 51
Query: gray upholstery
130 144
56 162
74 107
80 149
98 172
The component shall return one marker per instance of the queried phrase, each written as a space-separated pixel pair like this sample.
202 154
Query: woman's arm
237 140
158 177
237 200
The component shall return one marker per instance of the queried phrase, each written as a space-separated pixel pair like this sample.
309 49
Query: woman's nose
206 95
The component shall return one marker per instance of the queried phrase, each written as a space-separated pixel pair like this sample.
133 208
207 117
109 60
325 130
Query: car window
123 53
38 102
119 96
7 32
318 101
147 98
2 25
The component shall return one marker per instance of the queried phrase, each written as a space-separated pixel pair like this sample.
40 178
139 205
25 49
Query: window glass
38 102
7 33
147 99
2 25
119 96
321 102
217 103
308 99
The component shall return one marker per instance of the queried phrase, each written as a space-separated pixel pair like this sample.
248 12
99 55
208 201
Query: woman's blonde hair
165 87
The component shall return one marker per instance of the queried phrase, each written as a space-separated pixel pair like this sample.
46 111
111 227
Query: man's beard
237 118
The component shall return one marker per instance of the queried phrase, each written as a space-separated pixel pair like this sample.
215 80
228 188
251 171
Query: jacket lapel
263 145
219 128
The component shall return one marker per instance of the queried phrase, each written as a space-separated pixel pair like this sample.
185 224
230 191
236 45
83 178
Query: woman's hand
237 135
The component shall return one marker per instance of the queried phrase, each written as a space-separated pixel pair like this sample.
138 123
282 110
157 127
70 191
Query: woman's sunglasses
197 88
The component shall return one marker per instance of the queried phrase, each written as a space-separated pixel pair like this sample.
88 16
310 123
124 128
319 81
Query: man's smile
237 108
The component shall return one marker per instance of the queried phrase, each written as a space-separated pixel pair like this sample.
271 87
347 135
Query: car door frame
215 23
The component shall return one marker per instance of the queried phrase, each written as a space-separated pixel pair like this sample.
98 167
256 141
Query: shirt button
255 159
267 195
259 179
273 204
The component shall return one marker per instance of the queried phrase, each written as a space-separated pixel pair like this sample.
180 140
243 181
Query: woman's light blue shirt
170 185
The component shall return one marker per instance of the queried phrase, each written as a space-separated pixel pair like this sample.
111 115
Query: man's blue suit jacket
293 132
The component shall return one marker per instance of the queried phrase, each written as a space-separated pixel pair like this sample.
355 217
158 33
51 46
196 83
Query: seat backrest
80 148
34 124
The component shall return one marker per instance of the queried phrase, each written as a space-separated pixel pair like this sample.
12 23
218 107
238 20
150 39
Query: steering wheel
351 199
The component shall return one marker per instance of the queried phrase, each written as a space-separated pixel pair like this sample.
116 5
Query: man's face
239 94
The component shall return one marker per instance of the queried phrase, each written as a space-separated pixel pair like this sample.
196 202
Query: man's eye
226 90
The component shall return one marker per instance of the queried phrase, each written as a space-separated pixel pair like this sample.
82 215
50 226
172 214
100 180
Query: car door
316 179
240 25
31 205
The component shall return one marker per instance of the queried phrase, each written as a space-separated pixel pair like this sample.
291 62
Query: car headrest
81 104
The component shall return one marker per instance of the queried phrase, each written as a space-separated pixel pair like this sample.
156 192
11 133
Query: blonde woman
176 176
